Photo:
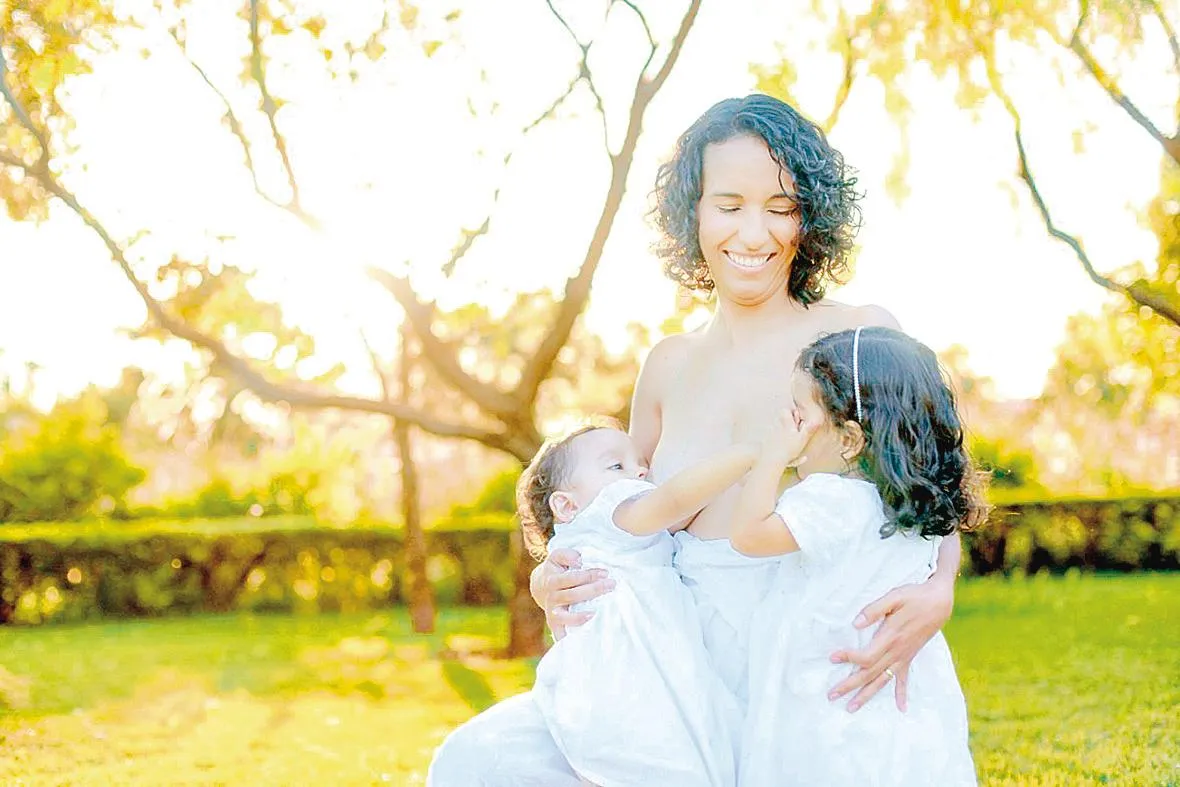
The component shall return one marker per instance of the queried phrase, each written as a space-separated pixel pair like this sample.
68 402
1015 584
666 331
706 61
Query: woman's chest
712 406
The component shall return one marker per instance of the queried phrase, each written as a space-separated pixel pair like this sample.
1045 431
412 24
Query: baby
630 697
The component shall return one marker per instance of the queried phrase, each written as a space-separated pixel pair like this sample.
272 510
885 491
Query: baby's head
568 473
887 410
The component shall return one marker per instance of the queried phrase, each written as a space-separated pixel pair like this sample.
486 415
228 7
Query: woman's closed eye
791 211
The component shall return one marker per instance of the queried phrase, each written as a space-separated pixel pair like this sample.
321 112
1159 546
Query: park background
291 288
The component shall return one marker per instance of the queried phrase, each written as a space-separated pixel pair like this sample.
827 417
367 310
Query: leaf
315 25
430 47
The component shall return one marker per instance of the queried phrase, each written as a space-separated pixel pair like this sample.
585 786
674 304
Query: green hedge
73 572
1121 534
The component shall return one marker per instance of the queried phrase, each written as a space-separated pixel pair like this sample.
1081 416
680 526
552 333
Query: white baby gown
793 734
631 697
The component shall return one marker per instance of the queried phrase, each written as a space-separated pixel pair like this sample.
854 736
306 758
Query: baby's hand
787 439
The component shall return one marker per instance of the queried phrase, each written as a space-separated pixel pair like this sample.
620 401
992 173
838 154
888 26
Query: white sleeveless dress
793 734
631 697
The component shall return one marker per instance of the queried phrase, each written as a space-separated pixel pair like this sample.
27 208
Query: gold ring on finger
890 673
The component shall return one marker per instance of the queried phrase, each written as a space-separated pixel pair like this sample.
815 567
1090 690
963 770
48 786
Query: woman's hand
559 582
912 614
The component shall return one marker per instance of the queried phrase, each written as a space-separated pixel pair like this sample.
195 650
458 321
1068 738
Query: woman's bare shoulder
836 316
665 361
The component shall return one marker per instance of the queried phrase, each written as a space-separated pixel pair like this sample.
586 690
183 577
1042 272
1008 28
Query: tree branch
651 41
1173 42
1138 292
270 108
652 86
583 71
577 289
468 237
842 92
852 56
1171 145
293 394
235 126
444 356
22 116
386 388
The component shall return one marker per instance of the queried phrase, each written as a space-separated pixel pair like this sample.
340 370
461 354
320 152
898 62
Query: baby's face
601 457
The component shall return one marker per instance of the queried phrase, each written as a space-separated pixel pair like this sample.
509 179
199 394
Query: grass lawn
1070 681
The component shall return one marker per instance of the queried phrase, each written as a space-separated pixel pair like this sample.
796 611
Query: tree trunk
526 621
421 597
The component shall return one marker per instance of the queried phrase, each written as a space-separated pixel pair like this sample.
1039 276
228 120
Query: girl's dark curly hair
548 471
913 434
829 215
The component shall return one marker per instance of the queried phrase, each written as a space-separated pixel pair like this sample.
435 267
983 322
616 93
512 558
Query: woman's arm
685 493
911 615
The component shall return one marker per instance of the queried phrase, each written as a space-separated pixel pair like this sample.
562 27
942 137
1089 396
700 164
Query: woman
756 207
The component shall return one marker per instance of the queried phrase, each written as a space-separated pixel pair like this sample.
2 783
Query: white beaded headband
856 371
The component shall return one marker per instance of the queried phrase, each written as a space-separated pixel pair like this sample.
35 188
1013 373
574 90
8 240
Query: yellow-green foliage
1070 681
70 571
64 465
66 572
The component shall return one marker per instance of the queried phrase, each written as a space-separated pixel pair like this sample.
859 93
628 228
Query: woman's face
748 220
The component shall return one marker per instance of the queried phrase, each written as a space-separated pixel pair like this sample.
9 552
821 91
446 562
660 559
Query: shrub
64 466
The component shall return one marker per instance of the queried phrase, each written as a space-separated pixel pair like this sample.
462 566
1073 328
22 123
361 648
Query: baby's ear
852 440
563 506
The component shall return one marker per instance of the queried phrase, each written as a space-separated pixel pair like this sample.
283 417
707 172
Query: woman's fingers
899 691
866 657
573 579
563 619
870 690
565 558
879 610
575 594
871 662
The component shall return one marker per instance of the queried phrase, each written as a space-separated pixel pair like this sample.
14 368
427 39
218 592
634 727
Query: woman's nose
753 230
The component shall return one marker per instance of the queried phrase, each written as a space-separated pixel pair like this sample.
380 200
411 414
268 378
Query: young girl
630 697
884 478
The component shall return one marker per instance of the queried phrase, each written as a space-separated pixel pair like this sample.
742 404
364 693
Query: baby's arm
685 493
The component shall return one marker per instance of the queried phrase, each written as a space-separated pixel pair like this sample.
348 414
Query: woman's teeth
742 261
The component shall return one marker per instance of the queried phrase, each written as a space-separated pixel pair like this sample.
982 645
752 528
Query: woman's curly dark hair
824 191
548 471
913 434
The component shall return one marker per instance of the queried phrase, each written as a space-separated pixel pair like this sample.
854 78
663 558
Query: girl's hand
559 582
787 439
912 614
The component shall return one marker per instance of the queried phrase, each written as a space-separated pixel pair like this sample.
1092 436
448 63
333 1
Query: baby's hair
913 435
825 191
548 471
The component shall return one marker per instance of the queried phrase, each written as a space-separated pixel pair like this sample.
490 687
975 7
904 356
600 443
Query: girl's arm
757 530
685 493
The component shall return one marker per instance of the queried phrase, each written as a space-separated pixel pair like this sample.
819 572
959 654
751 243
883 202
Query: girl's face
598 458
828 450
748 222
